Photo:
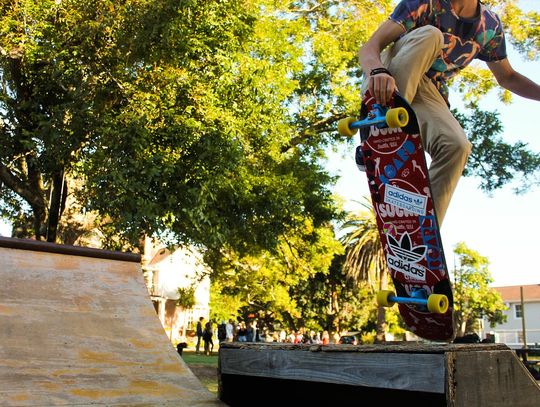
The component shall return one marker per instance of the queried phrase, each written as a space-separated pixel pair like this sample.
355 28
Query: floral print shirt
481 37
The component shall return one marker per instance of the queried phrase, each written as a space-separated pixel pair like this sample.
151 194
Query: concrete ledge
432 375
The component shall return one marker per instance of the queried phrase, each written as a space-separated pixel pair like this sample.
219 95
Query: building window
518 311
189 316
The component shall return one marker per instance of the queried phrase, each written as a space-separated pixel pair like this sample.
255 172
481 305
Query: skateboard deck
409 232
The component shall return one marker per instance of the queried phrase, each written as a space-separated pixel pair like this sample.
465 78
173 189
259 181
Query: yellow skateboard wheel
437 303
382 298
397 117
343 127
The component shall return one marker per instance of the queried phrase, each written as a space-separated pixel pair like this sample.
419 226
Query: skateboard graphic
391 150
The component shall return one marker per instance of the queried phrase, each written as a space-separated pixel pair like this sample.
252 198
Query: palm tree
365 259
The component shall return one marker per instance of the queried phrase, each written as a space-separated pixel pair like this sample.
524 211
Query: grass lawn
204 367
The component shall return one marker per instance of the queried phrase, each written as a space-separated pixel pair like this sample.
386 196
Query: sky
502 226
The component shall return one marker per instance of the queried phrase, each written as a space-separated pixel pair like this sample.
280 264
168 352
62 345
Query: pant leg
442 136
444 140
410 57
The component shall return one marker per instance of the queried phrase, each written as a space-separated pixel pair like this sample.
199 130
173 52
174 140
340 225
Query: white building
511 332
165 272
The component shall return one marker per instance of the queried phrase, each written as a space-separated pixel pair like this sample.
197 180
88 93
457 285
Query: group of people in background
250 331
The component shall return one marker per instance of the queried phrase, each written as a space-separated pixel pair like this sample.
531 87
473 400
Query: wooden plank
387 347
39 246
83 331
401 371
490 379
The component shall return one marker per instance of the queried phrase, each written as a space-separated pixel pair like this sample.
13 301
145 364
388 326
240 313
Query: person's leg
411 57
444 140
442 136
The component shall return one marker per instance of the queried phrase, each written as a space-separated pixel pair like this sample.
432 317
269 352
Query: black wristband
377 71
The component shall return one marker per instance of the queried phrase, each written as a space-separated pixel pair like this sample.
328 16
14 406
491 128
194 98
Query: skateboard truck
379 116
436 303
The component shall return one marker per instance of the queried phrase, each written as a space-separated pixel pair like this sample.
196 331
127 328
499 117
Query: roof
160 255
512 293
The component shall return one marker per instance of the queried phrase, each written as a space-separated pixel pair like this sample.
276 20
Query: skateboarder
432 40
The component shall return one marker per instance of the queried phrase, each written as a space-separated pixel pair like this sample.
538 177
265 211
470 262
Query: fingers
381 87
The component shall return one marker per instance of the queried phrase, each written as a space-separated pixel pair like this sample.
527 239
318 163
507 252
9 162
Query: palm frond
364 260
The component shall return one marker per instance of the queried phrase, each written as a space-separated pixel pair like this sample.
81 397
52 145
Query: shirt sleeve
494 48
411 14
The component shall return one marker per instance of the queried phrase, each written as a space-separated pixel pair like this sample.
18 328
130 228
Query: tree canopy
492 160
172 113
206 122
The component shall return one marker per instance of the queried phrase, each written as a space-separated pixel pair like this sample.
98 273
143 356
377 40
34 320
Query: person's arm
382 85
512 80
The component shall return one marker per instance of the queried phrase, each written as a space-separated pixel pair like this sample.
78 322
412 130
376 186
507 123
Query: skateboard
391 150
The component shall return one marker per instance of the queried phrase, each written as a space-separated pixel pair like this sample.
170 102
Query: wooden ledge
39 246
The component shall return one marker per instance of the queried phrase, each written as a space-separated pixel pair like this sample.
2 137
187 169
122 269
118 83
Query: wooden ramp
404 374
77 328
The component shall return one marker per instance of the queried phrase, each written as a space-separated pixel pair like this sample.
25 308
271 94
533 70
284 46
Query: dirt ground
207 375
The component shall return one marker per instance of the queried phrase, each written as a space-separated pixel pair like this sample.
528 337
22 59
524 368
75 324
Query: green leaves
473 298
522 26
173 113
186 297
272 284
495 162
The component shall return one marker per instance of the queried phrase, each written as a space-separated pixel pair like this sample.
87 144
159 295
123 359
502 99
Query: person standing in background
199 332
229 331
208 335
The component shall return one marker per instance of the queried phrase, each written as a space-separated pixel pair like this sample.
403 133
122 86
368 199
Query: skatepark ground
205 368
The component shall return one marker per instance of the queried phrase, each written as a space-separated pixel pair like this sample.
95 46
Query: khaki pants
445 141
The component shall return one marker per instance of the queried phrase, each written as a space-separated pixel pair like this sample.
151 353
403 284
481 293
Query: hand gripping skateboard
391 150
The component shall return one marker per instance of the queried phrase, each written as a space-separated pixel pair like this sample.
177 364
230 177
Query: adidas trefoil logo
403 248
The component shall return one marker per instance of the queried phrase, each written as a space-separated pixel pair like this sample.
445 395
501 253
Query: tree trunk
335 311
40 216
56 205
381 311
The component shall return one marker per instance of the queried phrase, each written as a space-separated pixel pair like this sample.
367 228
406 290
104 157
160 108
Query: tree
167 112
494 162
334 302
271 284
206 122
365 259
186 297
522 25
473 298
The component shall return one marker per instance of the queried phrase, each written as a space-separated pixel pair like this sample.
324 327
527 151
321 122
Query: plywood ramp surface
77 330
